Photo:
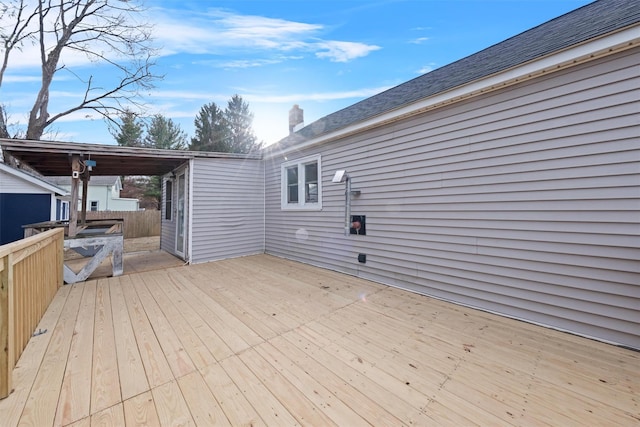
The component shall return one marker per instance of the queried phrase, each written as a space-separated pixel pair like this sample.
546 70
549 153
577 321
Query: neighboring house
27 199
103 193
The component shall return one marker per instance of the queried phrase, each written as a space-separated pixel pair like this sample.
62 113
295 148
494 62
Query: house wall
524 201
228 209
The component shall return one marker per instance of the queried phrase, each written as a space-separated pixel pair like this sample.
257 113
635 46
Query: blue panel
17 210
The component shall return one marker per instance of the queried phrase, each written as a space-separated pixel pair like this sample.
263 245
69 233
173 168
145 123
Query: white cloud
248 63
270 98
296 98
21 79
427 68
419 40
223 32
344 51
217 31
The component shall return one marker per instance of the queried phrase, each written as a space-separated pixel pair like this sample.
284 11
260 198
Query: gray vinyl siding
228 208
524 202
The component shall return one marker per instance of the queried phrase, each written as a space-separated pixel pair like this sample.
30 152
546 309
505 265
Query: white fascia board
577 54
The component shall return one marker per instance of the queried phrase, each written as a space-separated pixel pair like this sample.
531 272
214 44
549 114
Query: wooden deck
265 341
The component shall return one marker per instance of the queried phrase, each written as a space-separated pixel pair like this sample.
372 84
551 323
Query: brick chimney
296 118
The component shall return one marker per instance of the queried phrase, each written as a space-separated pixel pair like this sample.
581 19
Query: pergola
81 161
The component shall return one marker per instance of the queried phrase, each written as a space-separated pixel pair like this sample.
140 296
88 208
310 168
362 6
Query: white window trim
64 210
167 210
301 205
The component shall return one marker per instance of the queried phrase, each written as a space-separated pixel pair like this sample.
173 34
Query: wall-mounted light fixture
340 176
90 164
343 176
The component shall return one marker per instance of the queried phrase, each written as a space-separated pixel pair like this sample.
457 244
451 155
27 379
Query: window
63 215
93 205
302 184
168 199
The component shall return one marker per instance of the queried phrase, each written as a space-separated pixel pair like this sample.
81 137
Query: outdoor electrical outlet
362 258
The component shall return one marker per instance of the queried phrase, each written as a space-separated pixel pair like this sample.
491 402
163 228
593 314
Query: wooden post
60 260
6 327
73 204
85 185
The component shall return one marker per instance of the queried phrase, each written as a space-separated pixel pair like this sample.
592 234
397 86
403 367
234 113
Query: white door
181 216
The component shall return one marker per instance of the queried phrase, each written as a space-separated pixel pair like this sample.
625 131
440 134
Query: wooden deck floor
265 341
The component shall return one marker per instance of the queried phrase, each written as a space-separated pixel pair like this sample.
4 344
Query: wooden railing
31 272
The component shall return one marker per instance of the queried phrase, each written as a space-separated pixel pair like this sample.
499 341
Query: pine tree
239 120
129 133
211 130
165 134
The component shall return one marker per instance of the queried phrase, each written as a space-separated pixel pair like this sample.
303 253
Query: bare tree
107 32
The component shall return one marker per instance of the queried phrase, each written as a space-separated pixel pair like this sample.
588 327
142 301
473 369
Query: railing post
6 325
60 259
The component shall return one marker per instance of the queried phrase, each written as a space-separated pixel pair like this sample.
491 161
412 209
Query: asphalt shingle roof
590 21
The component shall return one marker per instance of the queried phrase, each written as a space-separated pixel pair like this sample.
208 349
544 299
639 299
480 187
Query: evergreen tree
129 132
211 130
4 132
239 120
165 134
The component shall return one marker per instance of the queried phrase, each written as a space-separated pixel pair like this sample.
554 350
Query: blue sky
320 54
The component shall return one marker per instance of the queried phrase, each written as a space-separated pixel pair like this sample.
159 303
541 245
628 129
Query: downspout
347 207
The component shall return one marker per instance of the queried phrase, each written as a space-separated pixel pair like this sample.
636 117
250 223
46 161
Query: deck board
40 408
172 348
74 402
133 379
266 341
141 411
26 369
105 378
153 358
203 405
